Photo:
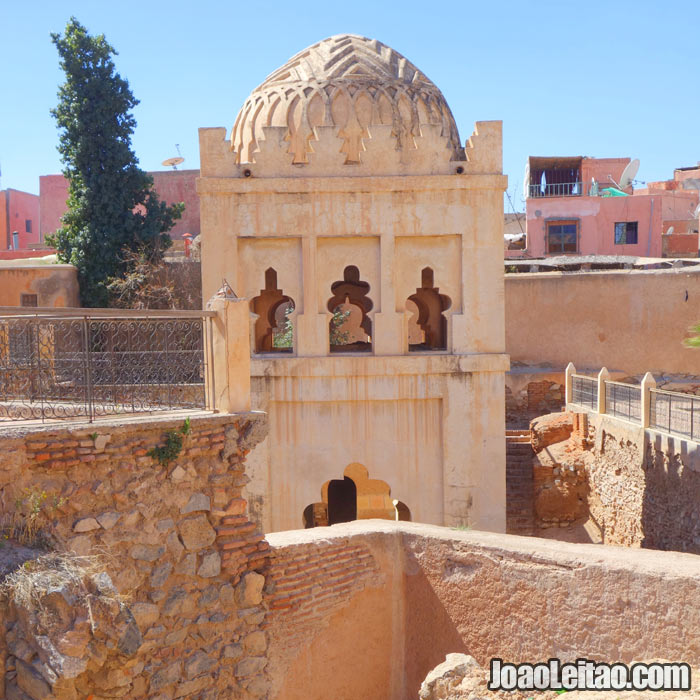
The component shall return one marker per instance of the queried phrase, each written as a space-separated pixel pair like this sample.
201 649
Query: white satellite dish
670 230
173 161
629 173
696 213
526 181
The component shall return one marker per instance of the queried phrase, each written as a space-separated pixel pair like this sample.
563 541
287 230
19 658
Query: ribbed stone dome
349 82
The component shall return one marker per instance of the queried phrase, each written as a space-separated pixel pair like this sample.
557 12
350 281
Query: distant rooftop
573 263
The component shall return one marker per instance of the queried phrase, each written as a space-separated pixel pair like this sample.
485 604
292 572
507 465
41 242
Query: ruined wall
175 540
532 391
645 486
416 593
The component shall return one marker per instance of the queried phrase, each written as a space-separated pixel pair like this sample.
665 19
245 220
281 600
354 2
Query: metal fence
623 400
675 413
557 189
82 365
584 391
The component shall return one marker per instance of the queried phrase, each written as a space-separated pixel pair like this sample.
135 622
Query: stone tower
369 243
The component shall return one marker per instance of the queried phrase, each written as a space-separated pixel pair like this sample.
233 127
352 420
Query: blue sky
604 79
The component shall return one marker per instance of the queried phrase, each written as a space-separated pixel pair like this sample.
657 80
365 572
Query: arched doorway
342 501
354 497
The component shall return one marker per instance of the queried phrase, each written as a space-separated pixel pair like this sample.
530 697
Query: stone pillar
229 355
390 329
311 326
648 383
568 382
603 376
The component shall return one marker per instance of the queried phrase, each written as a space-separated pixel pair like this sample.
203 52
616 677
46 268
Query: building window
562 236
28 225
625 232
27 300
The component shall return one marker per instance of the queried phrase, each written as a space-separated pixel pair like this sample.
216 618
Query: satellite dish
526 181
696 213
670 231
173 161
629 173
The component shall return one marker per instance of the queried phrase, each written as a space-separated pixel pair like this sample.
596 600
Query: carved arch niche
350 328
427 327
273 328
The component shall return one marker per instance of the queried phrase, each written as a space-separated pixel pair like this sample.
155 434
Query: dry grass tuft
51 572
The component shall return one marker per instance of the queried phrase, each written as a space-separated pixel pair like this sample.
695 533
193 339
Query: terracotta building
344 186
171 185
574 206
19 220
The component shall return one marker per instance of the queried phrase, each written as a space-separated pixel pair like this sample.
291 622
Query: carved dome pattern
349 82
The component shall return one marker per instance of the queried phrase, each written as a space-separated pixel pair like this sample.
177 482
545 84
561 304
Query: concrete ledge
363 364
171 419
532 549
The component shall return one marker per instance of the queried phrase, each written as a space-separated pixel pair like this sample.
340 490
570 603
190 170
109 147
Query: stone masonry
175 540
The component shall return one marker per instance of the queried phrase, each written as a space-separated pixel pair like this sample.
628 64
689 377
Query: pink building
19 220
171 185
574 206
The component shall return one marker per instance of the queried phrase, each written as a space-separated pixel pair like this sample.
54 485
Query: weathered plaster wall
591 318
54 285
175 539
426 591
403 418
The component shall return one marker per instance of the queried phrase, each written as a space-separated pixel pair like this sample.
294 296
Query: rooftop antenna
174 162
628 174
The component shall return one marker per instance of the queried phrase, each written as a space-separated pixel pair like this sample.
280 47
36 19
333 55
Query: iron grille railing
584 391
623 400
557 189
89 364
675 413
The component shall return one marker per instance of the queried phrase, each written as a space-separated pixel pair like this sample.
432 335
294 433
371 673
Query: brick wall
176 542
307 586
525 401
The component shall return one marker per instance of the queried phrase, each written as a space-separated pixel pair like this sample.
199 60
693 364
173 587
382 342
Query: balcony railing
557 189
86 364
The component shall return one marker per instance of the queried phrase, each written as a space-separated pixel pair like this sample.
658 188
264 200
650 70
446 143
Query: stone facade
174 538
344 181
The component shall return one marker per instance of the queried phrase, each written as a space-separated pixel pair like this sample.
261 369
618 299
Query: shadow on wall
670 513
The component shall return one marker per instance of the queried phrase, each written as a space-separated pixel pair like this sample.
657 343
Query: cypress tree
113 211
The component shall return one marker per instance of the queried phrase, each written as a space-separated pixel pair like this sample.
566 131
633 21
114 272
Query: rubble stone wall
644 486
174 538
